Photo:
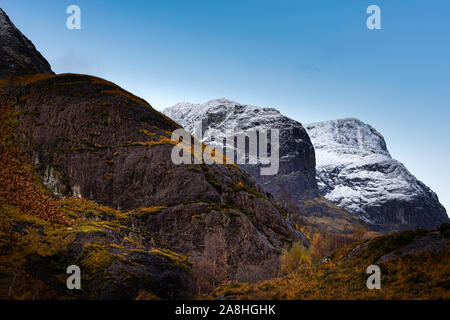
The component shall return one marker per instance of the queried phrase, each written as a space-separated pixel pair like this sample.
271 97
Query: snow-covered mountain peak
355 171
348 135
225 115
353 165
220 101
222 118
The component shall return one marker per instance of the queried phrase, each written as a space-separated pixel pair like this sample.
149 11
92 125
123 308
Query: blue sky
312 60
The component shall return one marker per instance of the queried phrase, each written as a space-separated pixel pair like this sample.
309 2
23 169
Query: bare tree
211 269
264 270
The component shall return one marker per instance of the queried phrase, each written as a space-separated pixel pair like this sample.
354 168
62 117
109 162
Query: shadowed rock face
89 138
221 117
295 183
18 54
356 171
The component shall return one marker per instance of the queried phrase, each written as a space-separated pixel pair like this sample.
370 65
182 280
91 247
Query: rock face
91 139
435 241
88 138
356 171
221 117
18 54
295 184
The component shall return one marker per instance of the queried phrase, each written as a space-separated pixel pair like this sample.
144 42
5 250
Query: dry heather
408 271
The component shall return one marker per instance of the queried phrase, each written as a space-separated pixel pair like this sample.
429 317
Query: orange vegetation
18 184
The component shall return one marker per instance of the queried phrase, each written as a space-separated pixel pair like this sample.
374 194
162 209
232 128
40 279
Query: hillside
414 265
87 178
89 139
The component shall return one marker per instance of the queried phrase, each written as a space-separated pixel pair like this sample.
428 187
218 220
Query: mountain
295 184
18 54
87 178
221 116
354 168
356 171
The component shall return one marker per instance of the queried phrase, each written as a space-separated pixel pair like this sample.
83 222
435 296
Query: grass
423 275
141 212
40 232
162 141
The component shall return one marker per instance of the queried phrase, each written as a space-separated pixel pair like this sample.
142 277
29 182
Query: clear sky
312 60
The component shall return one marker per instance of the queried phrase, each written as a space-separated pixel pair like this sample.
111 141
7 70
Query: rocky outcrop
89 139
294 185
354 168
434 242
222 117
18 54
356 171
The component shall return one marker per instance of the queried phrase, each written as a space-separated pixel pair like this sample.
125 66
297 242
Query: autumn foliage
18 184
423 274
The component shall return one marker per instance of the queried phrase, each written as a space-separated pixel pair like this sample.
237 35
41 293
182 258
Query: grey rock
294 186
356 171
18 55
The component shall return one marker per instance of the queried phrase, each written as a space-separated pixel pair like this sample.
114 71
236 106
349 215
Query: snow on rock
294 186
222 118
355 171
352 164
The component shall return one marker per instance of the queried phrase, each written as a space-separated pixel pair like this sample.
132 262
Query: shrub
211 268
296 258
324 244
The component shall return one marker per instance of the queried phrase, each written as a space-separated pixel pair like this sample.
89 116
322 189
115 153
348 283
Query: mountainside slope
89 180
356 172
88 138
18 54
413 265
41 236
294 185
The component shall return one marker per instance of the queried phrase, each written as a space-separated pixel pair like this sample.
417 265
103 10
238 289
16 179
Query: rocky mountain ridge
136 213
354 168
356 171
18 54
222 117
294 185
